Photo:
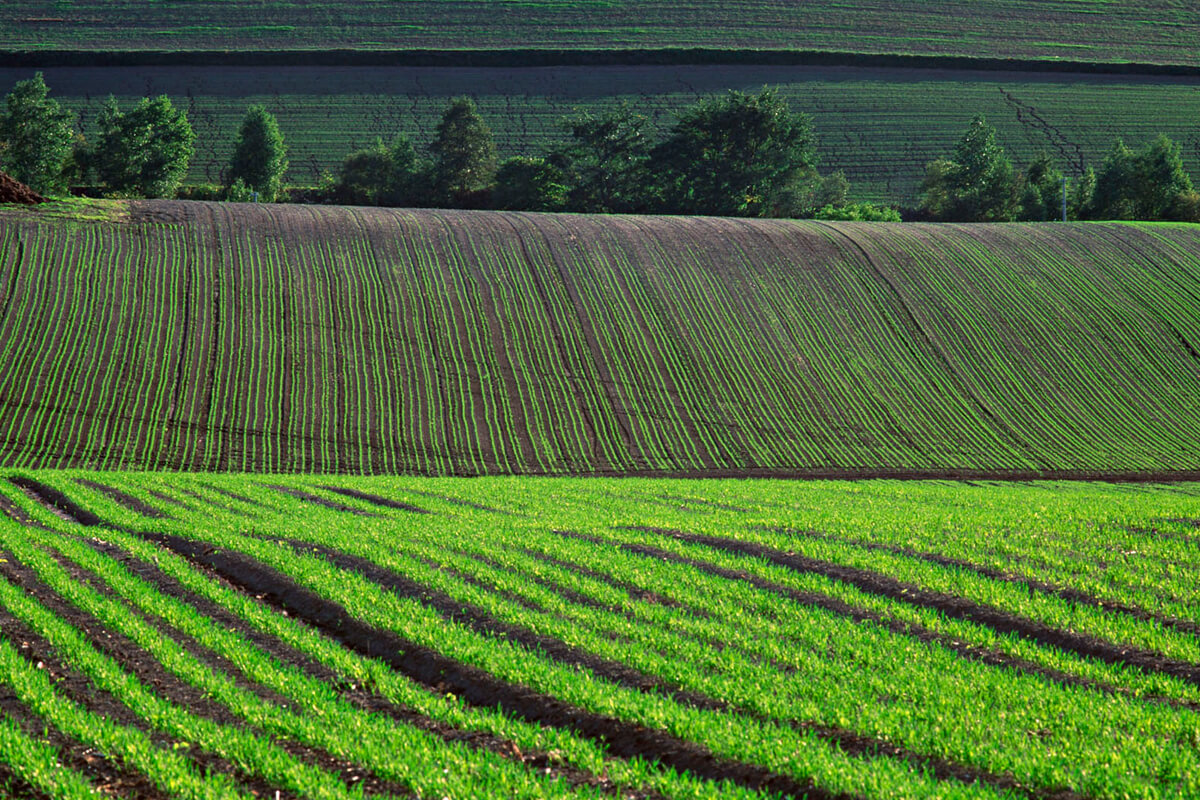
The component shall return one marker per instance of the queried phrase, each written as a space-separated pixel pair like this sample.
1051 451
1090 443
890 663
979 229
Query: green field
1154 31
880 126
213 636
274 338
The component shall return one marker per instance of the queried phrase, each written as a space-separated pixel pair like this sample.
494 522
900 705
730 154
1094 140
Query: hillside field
218 635
879 126
1110 31
207 336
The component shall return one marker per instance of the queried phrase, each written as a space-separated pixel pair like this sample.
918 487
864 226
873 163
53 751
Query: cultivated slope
208 336
1113 31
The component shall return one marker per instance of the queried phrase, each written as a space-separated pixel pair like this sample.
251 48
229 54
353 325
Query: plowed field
240 636
192 336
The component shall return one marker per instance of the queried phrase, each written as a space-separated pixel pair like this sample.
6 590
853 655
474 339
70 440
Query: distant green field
1156 31
878 125
238 636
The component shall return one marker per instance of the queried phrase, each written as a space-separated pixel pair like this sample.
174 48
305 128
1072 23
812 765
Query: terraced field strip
648 638
1157 31
880 126
303 338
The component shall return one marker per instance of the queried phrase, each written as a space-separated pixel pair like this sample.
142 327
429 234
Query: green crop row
789 660
1051 30
285 338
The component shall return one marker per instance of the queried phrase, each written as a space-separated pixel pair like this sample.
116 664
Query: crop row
1053 29
738 620
277 338
880 126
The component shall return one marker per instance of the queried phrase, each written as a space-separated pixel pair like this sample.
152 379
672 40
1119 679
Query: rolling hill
192 336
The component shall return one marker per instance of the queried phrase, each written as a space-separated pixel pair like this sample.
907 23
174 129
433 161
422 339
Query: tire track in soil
476 687
955 607
483 623
77 687
546 764
1032 584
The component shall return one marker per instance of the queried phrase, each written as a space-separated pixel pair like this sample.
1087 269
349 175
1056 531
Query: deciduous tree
733 155
464 155
144 151
260 155
35 137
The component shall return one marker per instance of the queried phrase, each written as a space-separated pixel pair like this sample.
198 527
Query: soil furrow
78 688
482 622
957 608
146 669
545 763
376 499
991 573
121 498
308 497
479 688
982 655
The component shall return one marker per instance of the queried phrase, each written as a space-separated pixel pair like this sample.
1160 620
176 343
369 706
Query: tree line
738 154
979 184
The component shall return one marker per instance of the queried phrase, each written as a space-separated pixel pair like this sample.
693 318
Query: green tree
260 156
858 212
145 150
464 155
1041 196
1140 184
381 175
976 185
606 161
734 155
36 139
529 184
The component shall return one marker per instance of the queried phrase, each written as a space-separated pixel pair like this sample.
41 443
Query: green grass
1110 31
880 126
786 672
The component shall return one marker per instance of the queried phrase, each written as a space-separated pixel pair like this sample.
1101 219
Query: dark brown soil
13 191
127 500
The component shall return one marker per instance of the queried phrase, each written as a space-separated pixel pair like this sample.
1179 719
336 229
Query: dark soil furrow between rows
376 499
955 607
547 765
479 688
991 573
914 631
151 673
78 688
127 500
484 623
634 591
316 500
